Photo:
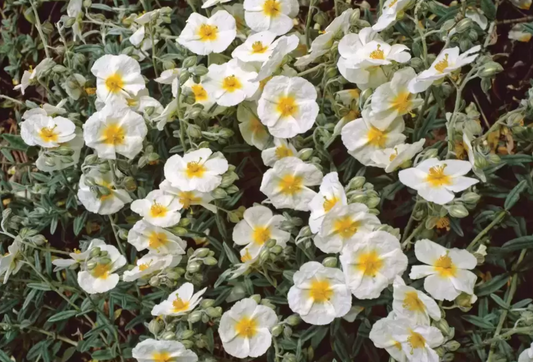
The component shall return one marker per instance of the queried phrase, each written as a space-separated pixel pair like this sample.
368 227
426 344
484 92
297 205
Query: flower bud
293 320
277 249
94 252
448 357
227 179
184 76
193 130
168 64
219 193
188 344
257 298
355 16
206 303
305 154
277 330
210 261
194 317
179 230
330 262
490 69
186 334
263 257
91 265
155 326
463 25
189 61
452 346
199 70
129 183
193 267
287 332
168 336
212 312
356 183
91 159
104 260
458 211
527 317
184 222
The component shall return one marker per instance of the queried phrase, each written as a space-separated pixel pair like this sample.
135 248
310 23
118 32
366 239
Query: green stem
311 70
421 114
108 322
38 25
483 232
66 182
119 244
12 99
308 24
50 334
407 241
501 337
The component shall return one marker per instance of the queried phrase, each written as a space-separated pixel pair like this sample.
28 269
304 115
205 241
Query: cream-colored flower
437 181
245 329
77 257
389 13
522 4
209 3
157 240
414 305
256 49
270 15
170 76
392 158
117 77
158 208
201 95
115 129
252 130
281 47
282 148
518 33
40 129
447 270
362 137
51 160
203 35
344 223
179 302
188 198
247 262
526 355
151 350
288 106
150 264
98 193
382 336
11 262
197 170
319 294
286 184
370 262
331 194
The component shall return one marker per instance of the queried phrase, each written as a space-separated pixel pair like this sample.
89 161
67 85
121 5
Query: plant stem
311 70
513 21
407 241
421 114
66 182
113 225
11 99
38 25
502 337
308 23
483 232
107 321
50 334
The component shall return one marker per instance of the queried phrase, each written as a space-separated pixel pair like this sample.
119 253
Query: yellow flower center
369 263
287 106
345 227
180 305
445 267
320 291
258 48
402 102
261 235
195 169
231 84
90 91
77 251
158 210
187 198
442 65
283 151
437 178
114 134
101 271
246 257
443 223
161 357
413 303
525 38
109 187
48 134
157 240
378 53
290 184
143 267
246 327
393 3
376 137
416 340
272 8
114 83
208 32
199 92
131 102
329 203
394 155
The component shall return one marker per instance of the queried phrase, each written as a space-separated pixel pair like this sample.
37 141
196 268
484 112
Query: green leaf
488 8
79 223
231 255
39 286
7 154
15 141
62 316
4 357
478 321
523 242
514 195
492 286
103 355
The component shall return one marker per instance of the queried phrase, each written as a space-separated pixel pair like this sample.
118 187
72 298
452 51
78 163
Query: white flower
393 99
389 13
200 93
11 262
288 106
47 109
158 208
258 226
149 264
362 137
230 83
247 261
323 43
115 129
405 340
253 131
447 270
50 161
148 106
151 350
45 131
370 262
74 10
518 33
209 3
157 240
179 302
392 158
31 76
413 304
526 355
77 257
98 194
117 77
477 16
256 49
197 170
169 114
189 198
286 183
446 62
245 329
319 294
25 81
342 224
203 36
170 76
436 181
281 47
272 15
363 56
522 4
282 148
101 278
331 193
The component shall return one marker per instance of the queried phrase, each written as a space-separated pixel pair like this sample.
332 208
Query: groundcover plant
270 180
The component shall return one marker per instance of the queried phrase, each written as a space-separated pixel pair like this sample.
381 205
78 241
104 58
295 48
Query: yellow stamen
393 3
402 103
161 357
320 291
283 151
101 271
290 184
329 203
208 32
287 106
114 134
200 95
443 223
445 267
143 267
231 84
180 305
413 303
369 263
442 65
195 169
187 199
258 48
376 137
158 210
157 240
246 327
378 53
246 257
114 83
272 8
48 134
437 178
416 340
261 235
345 227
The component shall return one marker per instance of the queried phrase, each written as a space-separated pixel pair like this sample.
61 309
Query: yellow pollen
48 134
261 235
320 291
231 84
398 345
114 83
180 305
437 178
402 102
157 240
246 327
290 184
143 267
101 271
283 151
131 102
525 38
287 106
345 227
195 169
114 134
246 257
445 267
329 203
187 198
258 48
199 92
369 263
413 303
459 150
393 3
443 223
77 251
376 137
208 32
161 357
271 8
416 340
158 210
378 53
442 65
90 91
109 187
394 155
